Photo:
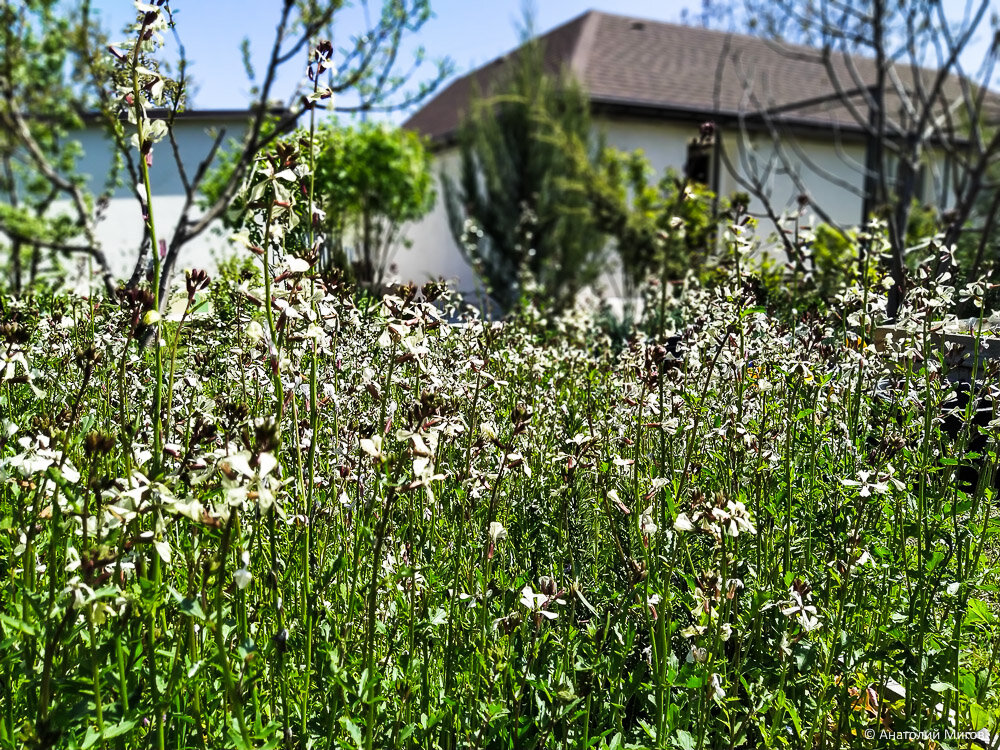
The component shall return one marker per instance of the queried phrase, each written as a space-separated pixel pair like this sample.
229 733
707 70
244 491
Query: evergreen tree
518 209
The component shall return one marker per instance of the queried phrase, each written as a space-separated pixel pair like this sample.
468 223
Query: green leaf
122 727
188 605
237 739
92 737
21 625
780 701
440 617
978 612
935 560
583 600
684 740
352 729
981 718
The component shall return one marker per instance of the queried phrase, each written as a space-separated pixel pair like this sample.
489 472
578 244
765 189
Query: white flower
878 487
243 575
799 608
372 446
255 331
696 654
646 522
739 519
683 523
242 482
535 602
715 687
497 532
242 578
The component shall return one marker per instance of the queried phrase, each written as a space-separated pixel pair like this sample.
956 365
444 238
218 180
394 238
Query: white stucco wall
435 253
829 166
828 171
121 228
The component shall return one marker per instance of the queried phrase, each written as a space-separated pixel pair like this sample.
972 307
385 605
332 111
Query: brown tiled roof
667 70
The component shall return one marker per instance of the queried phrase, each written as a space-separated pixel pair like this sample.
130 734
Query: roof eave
753 122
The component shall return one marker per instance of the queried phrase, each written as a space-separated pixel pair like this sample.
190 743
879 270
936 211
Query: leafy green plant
742 541
666 230
831 267
518 208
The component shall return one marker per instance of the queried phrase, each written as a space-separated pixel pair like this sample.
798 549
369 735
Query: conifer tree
518 209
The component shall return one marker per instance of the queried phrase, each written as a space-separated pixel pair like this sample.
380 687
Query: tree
45 204
369 181
898 69
138 105
667 228
516 189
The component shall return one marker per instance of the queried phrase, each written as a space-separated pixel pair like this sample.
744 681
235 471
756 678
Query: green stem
232 694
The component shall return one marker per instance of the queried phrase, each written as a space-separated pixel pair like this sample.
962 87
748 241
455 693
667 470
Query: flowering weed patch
361 526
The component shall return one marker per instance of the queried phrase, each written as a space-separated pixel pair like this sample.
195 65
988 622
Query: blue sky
470 32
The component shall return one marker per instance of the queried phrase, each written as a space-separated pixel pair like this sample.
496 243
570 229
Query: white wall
827 171
827 162
664 144
435 253
121 229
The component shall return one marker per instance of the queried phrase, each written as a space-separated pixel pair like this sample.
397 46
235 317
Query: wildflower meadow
386 523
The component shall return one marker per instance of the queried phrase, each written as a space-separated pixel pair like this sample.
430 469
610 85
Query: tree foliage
54 62
368 182
518 208
667 227
901 71
46 85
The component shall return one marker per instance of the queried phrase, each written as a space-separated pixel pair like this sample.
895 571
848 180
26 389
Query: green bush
366 527
369 181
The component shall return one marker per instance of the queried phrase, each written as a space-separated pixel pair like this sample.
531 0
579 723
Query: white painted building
652 84
120 229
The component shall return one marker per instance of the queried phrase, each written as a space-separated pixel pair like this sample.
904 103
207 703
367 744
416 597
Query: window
698 167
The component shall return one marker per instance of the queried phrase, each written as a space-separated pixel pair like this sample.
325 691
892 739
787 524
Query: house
652 84
120 227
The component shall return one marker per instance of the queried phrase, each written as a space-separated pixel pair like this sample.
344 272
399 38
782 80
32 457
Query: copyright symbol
869 734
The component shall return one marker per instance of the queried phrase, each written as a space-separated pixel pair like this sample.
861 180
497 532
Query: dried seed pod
98 443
